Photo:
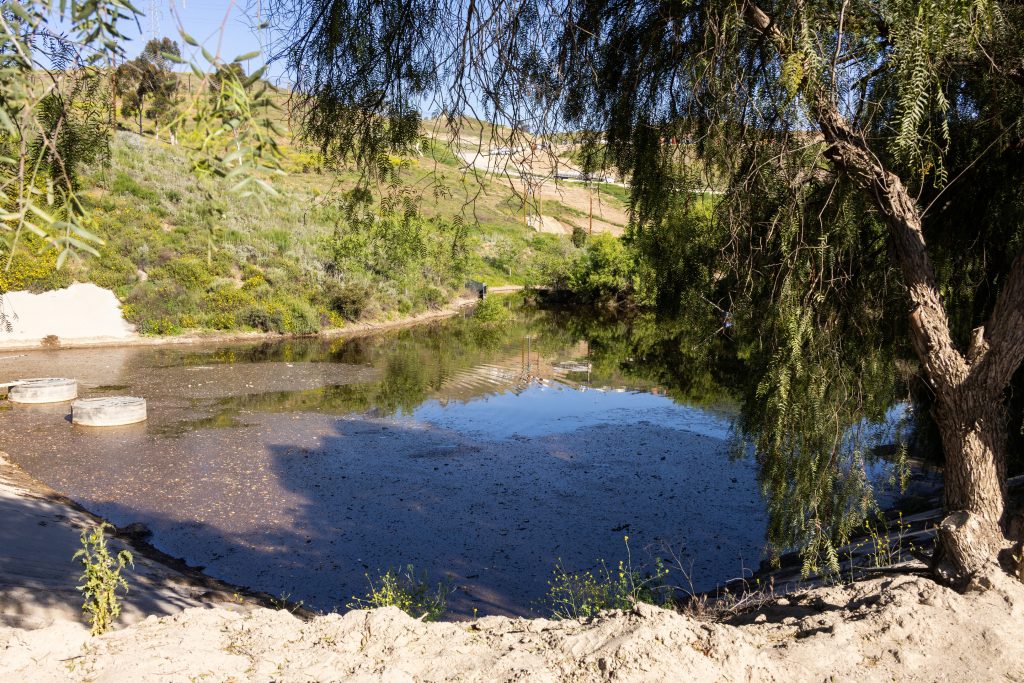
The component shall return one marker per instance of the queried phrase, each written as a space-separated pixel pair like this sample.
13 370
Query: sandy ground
905 628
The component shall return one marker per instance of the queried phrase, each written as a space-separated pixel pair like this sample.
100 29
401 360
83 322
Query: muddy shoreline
209 589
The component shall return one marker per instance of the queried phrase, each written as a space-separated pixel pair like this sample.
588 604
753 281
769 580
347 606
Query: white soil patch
81 313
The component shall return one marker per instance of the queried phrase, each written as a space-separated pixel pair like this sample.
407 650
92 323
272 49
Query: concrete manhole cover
43 390
108 411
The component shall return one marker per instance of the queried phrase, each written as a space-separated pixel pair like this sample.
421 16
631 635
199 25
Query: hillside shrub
189 272
114 271
579 237
299 316
159 327
259 317
433 297
349 300
492 311
33 268
603 271
226 299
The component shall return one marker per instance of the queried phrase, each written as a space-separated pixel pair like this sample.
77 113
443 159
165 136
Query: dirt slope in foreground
905 628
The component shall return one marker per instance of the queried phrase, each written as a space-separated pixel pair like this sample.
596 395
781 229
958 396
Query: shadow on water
491 518
480 454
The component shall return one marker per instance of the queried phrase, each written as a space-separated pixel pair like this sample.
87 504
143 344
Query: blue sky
203 19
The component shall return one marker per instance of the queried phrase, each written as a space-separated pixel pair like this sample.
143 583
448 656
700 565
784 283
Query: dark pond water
478 454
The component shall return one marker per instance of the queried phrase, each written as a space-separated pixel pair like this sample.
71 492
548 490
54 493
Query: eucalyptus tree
149 75
870 151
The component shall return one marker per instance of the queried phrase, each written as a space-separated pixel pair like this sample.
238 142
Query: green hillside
183 254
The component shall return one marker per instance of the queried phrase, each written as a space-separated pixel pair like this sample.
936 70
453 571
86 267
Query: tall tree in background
872 154
149 76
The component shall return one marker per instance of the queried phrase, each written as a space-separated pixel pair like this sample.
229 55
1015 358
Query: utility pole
591 209
526 202
155 15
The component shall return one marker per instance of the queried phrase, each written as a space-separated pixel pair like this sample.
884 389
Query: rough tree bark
969 386
969 399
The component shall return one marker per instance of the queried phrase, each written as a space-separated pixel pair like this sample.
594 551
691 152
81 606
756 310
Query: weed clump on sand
101 577
579 595
410 593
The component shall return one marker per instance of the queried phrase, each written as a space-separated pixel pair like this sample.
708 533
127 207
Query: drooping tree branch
945 367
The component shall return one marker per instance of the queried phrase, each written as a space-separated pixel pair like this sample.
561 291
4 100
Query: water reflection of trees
810 416
811 444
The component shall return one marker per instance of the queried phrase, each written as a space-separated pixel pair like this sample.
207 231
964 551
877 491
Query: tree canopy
870 155
149 75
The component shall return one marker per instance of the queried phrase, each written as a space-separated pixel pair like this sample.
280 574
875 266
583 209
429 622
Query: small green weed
408 592
578 595
284 603
101 577
887 540
883 543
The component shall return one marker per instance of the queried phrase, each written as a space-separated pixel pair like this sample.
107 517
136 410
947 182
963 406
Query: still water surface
482 455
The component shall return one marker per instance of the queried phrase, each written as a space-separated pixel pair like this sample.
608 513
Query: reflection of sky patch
540 410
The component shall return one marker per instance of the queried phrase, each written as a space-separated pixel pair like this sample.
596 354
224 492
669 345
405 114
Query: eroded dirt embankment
905 628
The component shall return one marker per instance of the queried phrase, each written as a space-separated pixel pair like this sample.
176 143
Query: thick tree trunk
972 425
969 393
973 430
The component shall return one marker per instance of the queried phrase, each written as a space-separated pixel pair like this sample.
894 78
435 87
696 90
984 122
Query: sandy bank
905 628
